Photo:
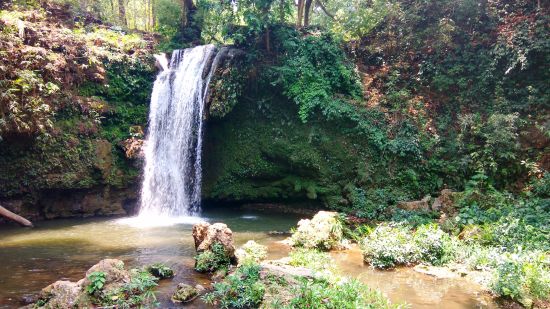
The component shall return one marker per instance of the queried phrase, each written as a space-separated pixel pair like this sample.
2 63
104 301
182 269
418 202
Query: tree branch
319 4
14 217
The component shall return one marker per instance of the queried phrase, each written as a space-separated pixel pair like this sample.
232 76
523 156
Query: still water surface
30 259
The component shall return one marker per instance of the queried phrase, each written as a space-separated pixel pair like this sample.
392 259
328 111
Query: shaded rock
423 204
445 201
200 288
219 275
205 235
184 293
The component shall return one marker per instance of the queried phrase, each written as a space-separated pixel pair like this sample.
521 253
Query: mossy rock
184 293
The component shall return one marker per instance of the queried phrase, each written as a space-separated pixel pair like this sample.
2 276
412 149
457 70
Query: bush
345 294
323 232
212 260
390 245
311 259
240 290
251 252
434 245
522 277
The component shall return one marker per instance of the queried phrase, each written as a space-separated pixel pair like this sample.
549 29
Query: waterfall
173 148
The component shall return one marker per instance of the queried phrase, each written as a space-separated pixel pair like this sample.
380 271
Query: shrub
97 281
390 245
344 294
434 245
240 290
213 259
136 293
324 232
522 277
311 259
251 252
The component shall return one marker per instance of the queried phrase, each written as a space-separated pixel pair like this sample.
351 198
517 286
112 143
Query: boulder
115 274
184 293
66 294
251 252
423 204
62 294
205 235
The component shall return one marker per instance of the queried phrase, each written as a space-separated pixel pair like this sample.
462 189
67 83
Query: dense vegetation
351 105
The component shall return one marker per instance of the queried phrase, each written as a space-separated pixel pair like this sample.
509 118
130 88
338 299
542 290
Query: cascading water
172 175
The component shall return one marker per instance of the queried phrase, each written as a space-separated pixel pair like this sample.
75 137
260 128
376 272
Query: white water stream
171 189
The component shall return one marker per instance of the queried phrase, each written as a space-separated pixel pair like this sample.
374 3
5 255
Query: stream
64 249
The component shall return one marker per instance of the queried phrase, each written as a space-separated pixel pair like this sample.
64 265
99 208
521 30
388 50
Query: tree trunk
122 13
307 10
300 15
14 217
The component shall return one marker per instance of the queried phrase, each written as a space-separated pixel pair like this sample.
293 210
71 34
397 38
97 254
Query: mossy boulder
184 293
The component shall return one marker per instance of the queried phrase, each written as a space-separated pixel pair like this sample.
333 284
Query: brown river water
30 259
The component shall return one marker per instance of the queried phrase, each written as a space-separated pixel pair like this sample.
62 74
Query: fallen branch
14 217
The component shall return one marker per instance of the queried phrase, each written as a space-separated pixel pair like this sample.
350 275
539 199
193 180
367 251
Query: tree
122 13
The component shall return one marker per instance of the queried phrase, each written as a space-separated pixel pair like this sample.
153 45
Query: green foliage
388 246
522 277
211 260
346 294
251 252
314 73
241 289
97 281
312 259
136 293
434 245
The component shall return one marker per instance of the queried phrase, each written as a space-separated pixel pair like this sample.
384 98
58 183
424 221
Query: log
14 217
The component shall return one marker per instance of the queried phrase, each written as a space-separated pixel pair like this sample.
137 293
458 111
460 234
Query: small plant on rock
213 259
97 281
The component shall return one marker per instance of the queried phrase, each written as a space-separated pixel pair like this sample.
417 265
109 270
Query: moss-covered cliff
73 91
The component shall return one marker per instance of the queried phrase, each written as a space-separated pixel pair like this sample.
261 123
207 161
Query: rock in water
206 235
184 293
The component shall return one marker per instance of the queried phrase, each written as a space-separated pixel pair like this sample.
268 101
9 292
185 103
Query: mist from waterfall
172 175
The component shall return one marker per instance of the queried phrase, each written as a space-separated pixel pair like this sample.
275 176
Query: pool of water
30 259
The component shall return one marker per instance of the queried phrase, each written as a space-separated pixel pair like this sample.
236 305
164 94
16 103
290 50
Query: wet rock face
206 235
100 201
